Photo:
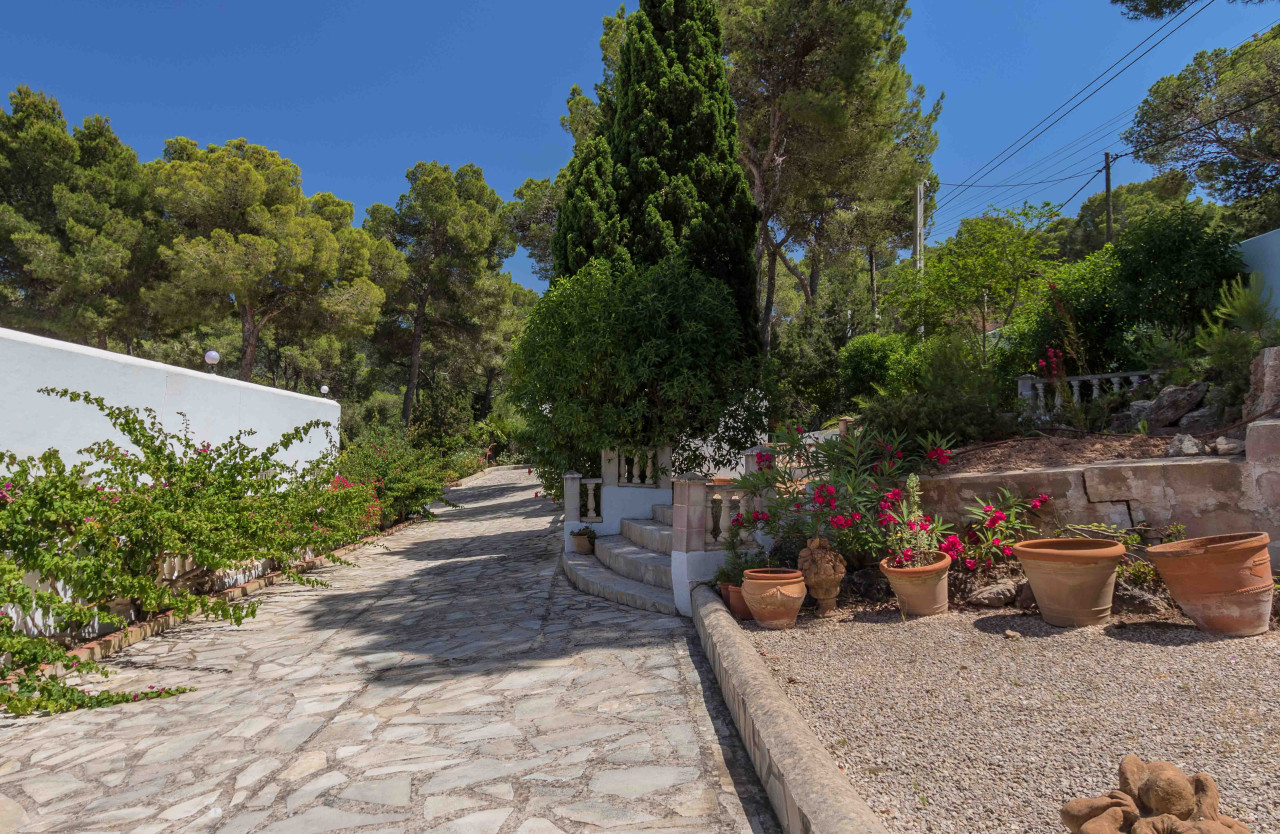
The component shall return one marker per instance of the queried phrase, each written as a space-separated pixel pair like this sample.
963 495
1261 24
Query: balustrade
1038 391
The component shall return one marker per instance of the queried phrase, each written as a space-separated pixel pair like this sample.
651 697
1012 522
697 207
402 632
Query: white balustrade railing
641 468
724 501
592 487
1043 396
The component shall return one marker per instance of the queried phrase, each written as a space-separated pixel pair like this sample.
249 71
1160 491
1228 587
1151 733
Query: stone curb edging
474 475
104 647
808 792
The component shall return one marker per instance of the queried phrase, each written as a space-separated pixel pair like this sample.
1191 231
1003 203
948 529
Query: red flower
1008 551
971 564
1042 498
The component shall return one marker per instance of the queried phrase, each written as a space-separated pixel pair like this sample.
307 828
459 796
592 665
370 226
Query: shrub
405 478
616 356
874 362
103 529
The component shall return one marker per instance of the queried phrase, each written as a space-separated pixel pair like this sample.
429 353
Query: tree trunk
875 290
815 253
249 330
102 340
415 357
766 321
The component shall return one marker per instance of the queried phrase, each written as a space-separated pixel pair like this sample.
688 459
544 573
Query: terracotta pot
774 595
823 568
583 545
1223 583
921 590
1073 579
732 596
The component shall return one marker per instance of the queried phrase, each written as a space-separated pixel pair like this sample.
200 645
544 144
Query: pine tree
662 178
674 140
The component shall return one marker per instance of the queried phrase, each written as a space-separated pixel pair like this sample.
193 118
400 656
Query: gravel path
945 724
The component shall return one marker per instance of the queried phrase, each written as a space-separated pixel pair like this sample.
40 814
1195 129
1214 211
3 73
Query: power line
1004 155
1017 184
1200 126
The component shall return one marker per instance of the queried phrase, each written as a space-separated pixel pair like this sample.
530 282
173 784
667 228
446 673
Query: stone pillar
689 513
572 499
1027 389
846 423
1262 453
749 460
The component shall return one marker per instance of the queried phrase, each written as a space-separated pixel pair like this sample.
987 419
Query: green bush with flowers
114 526
862 492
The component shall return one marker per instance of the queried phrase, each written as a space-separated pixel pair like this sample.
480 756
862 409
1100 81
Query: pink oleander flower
971 564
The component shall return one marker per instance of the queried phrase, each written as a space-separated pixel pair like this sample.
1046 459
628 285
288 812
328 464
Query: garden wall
215 406
1210 495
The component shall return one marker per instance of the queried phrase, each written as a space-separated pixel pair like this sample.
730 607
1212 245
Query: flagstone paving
452 682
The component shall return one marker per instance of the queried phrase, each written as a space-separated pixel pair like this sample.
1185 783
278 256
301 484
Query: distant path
451 682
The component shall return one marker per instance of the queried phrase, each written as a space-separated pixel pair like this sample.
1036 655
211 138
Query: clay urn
823 568
1223 583
1073 579
921 589
774 595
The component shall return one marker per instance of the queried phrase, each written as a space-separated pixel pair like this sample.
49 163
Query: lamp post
211 358
324 390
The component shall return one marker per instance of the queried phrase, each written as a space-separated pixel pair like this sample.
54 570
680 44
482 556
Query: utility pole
1106 163
917 248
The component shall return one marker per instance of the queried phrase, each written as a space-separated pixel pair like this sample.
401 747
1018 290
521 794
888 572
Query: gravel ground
945 724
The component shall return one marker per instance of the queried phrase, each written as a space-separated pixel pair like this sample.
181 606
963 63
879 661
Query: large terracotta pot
921 590
1073 579
823 568
1223 583
583 545
774 595
732 596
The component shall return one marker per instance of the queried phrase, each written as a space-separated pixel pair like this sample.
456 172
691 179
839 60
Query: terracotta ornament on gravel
823 568
1154 798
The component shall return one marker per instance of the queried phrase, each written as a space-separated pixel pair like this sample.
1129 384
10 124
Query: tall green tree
661 178
79 227
252 243
834 135
454 231
1235 157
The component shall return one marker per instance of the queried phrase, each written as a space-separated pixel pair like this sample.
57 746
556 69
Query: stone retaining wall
1210 495
809 794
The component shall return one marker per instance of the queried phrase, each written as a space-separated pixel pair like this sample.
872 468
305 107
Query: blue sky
355 93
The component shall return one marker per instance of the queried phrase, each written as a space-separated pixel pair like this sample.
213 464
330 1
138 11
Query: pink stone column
689 513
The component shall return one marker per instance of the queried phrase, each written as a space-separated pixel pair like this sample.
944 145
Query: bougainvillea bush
156 524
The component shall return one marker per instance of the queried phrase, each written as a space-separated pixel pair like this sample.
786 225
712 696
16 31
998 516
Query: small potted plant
584 540
916 568
729 579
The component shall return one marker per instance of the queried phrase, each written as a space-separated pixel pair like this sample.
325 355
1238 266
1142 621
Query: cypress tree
663 177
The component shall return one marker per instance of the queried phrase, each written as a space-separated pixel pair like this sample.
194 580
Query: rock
996 595
1184 445
1227 446
1122 422
1199 421
1131 600
1264 383
1153 798
1010 634
1025 596
1173 402
871 584
1138 409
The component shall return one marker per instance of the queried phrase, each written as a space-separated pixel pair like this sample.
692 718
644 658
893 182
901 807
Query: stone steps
626 558
648 533
589 575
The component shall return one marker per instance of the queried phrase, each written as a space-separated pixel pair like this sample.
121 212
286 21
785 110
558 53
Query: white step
626 558
590 576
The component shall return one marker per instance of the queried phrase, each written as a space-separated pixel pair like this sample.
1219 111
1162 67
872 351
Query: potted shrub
584 540
1223 583
1073 579
916 568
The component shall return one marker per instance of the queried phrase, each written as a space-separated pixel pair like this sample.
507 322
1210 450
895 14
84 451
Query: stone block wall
1210 495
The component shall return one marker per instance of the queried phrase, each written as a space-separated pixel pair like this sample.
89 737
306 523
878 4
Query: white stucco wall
1262 254
216 407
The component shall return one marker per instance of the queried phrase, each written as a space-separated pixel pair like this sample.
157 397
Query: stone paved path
452 683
